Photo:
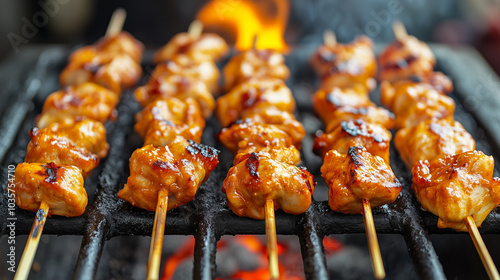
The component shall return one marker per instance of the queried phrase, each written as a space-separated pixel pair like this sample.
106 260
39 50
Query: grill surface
208 217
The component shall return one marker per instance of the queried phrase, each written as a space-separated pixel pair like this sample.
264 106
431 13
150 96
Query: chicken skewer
347 148
445 143
71 176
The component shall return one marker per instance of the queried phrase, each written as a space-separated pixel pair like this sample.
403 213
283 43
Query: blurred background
476 23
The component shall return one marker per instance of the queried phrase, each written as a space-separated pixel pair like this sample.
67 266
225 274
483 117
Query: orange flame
266 19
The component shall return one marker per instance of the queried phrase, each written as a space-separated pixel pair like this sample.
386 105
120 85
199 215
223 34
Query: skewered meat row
450 179
176 100
355 147
262 132
69 138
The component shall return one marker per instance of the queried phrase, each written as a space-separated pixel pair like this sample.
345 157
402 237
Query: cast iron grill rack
208 218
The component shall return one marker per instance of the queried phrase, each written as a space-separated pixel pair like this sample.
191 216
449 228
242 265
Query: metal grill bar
207 217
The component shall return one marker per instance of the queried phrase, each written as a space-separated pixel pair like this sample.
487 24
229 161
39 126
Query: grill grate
207 217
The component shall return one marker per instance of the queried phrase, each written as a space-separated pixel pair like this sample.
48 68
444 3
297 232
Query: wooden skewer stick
24 267
491 269
329 38
399 30
371 235
195 28
116 23
272 247
153 270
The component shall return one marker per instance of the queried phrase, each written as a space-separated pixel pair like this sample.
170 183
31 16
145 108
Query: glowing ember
266 19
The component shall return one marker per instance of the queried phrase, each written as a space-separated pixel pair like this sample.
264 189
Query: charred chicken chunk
326 101
51 147
206 47
254 63
432 139
415 103
371 114
356 176
164 119
374 137
176 86
60 186
457 186
180 168
343 64
259 93
83 133
403 59
259 178
87 100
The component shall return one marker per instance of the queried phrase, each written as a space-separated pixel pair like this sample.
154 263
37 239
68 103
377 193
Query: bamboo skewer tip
195 28
116 22
29 252
272 247
485 256
371 235
155 250
399 30
329 38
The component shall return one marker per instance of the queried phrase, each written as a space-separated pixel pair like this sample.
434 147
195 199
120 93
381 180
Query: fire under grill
208 218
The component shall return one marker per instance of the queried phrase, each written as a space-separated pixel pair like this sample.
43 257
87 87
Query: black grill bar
208 218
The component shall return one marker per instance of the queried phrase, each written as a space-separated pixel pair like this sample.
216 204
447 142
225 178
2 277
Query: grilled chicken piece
242 134
355 176
206 47
113 72
83 133
326 101
457 186
254 63
177 86
180 168
255 94
374 137
51 147
258 178
205 71
415 103
281 119
371 114
432 139
60 186
87 100
401 60
121 43
342 64
161 121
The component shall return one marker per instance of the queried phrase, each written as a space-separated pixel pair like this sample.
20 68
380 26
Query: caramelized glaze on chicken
254 94
86 100
371 114
415 103
356 176
403 59
432 139
83 133
60 186
165 119
254 63
259 178
180 168
374 137
344 64
457 186
207 46
176 86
